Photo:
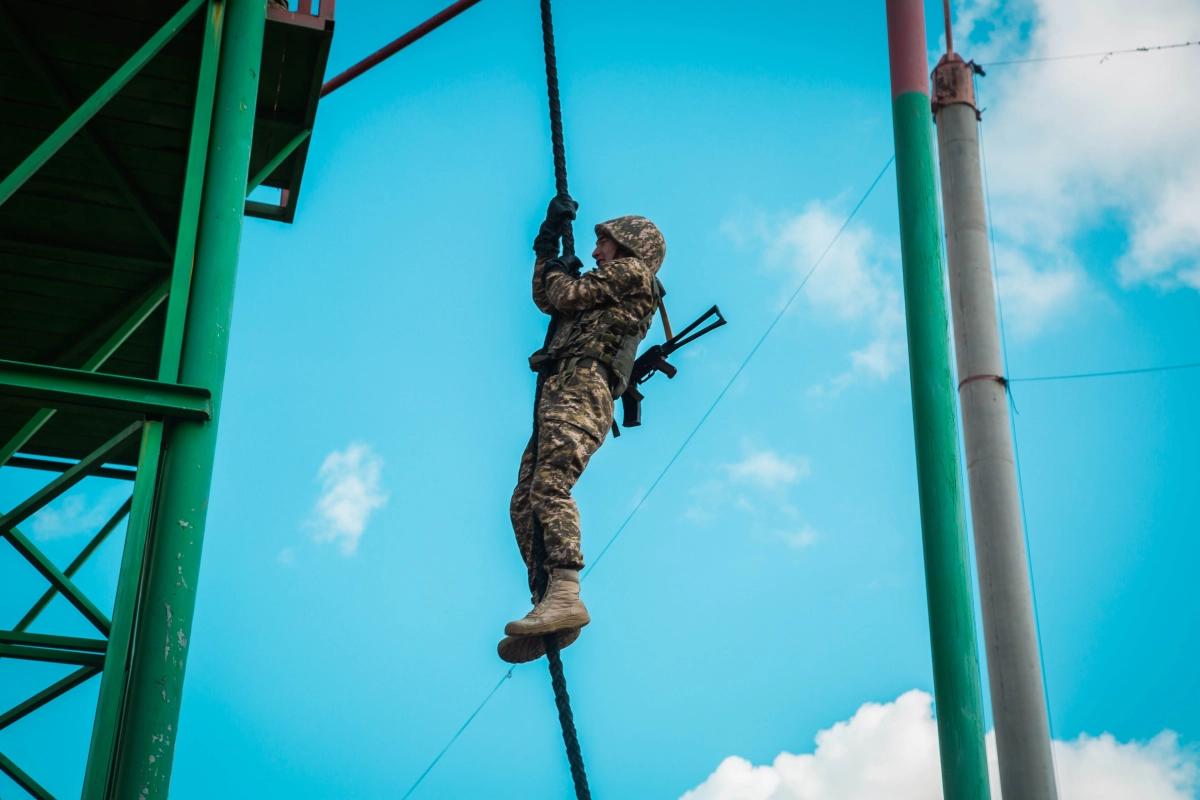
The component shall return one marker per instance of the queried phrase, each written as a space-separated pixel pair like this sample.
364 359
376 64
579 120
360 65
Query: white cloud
852 284
799 539
1101 768
1078 143
350 493
889 752
75 513
1032 299
768 469
757 488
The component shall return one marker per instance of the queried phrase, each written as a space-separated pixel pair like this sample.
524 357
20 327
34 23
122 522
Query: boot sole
523 649
566 623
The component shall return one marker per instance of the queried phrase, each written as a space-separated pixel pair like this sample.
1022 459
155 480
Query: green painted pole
957 689
149 726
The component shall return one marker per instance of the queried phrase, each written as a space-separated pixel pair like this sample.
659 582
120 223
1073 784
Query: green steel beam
128 319
43 697
47 465
120 642
150 722
50 640
62 96
16 179
55 386
74 566
52 655
22 779
193 187
276 160
57 487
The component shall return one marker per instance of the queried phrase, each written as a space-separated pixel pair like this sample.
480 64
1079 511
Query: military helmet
638 235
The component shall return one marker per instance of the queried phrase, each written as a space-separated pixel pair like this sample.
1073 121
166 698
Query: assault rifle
655 360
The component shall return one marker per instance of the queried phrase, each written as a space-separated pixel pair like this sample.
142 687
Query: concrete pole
1010 632
956 683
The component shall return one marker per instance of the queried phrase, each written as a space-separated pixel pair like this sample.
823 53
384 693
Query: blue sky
772 584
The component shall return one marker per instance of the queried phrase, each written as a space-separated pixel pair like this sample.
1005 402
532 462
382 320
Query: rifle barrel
682 338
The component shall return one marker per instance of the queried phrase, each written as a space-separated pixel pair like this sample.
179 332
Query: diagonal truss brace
74 566
22 779
62 96
44 497
276 160
32 163
130 318
43 697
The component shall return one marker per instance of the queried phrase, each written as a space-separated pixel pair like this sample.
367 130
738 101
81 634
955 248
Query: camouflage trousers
574 416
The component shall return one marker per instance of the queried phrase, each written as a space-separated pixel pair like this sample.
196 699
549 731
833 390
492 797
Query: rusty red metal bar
949 34
384 53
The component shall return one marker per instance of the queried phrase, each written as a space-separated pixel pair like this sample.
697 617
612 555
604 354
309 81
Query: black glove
568 265
560 212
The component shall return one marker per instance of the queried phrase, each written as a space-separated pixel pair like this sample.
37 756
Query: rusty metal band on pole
384 53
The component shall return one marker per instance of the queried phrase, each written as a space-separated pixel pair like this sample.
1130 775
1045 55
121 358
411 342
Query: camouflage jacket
622 292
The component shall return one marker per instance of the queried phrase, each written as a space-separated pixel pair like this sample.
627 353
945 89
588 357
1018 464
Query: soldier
603 315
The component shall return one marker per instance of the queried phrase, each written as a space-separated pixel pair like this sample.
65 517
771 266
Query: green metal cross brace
130 319
22 779
44 565
43 697
276 160
16 179
44 497
104 338
74 566
62 96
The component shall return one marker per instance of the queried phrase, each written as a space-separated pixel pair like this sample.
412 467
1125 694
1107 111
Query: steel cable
674 458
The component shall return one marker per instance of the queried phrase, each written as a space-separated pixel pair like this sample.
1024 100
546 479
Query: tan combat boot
560 609
521 649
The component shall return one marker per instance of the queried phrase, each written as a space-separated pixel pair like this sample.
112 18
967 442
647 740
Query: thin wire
675 457
454 738
1012 421
1193 365
1106 55
746 361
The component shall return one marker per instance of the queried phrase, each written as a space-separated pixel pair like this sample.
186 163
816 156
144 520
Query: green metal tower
131 132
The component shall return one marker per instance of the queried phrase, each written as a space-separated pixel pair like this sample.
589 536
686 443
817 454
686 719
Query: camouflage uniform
576 408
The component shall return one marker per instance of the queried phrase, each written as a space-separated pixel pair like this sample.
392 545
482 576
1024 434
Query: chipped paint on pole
151 712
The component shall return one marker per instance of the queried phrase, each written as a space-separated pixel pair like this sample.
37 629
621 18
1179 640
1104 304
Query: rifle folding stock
655 360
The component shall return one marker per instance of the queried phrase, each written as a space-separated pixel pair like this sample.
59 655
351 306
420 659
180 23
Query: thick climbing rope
557 679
